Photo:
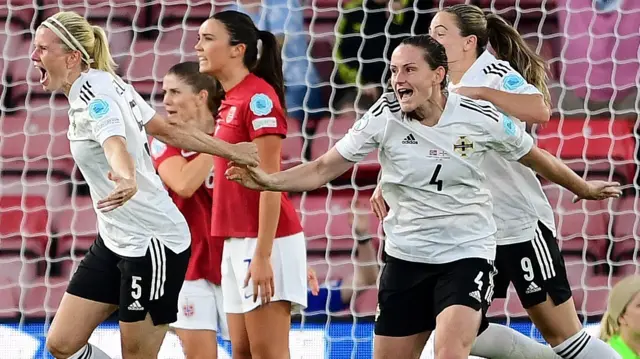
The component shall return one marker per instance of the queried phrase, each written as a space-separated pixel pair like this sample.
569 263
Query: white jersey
440 209
102 106
519 201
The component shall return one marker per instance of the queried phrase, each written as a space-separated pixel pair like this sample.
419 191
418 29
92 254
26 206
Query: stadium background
46 219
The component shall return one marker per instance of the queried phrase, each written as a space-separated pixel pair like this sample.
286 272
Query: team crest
463 147
231 114
261 104
188 310
510 128
157 148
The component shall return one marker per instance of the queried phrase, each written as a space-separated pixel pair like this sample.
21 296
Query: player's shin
584 346
502 342
89 351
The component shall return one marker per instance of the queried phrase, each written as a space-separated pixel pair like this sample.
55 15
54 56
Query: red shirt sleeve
161 151
264 115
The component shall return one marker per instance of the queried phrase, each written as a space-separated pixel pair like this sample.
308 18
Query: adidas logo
533 288
410 140
135 306
476 295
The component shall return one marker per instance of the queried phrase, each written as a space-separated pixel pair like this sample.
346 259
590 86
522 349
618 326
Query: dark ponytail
269 66
509 46
505 41
242 30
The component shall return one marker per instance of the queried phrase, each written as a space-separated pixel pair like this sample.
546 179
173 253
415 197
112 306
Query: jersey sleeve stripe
492 114
496 69
384 102
86 94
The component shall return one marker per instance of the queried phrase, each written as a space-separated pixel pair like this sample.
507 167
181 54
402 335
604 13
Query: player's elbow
184 190
543 112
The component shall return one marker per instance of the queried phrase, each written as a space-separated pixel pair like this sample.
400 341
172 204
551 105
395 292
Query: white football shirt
519 201
102 106
440 209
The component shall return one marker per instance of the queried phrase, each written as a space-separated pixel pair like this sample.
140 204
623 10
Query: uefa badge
261 104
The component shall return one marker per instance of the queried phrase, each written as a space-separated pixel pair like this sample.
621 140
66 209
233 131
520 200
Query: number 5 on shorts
136 289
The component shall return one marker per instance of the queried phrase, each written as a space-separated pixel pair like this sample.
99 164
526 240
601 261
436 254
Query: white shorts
289 263
200 307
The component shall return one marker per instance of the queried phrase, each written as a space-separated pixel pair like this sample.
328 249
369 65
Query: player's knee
61 347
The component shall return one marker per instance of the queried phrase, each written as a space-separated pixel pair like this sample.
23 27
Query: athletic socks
502 342
90 352
584 346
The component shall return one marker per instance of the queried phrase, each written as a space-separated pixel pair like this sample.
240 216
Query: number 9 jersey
440 208
102 106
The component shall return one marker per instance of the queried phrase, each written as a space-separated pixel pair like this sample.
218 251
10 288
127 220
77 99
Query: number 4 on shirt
434 178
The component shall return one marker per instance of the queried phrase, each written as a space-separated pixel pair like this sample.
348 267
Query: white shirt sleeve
513 82
363 138
105 118
146 111
508 139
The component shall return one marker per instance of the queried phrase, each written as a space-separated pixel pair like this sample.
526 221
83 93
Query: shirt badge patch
261 104
98 109
231 114
508 125
157 148
463 147
512 82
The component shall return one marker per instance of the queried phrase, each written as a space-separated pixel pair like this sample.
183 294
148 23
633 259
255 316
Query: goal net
47 221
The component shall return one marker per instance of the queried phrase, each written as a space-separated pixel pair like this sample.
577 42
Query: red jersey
249 110
206 252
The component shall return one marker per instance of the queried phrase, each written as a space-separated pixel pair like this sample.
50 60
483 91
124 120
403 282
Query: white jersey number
136 289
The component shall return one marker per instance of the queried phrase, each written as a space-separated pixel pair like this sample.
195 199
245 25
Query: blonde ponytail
608 327
101 56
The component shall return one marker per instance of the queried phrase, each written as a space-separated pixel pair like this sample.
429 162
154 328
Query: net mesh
47 221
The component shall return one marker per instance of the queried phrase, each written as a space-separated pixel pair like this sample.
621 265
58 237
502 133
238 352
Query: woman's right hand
250 177
245 154
378 205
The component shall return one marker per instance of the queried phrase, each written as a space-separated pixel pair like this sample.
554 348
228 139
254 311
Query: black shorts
149 284
411 295
536 269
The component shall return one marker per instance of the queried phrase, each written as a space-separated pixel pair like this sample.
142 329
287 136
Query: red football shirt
249 110
206 251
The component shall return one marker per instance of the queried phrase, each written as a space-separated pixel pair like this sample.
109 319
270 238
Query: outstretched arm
180 134
301 178
556 171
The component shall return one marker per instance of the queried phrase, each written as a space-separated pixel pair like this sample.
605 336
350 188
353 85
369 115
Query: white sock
90 351
584 346
502 342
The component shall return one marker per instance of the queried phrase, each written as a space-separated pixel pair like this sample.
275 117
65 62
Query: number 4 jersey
440 208
103 106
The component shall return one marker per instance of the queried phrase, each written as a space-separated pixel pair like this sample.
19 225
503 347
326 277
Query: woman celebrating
264 267
431 145
527 254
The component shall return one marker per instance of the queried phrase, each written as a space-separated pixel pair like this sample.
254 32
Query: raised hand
599 190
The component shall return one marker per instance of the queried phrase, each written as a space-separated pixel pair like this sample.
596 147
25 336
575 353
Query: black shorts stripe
543 255
477 108
158 269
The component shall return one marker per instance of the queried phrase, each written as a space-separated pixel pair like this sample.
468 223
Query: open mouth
171 112
404 94
44 76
